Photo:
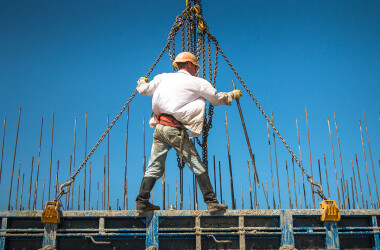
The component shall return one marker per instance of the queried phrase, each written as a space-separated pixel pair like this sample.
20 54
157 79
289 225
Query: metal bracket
98 242
218 241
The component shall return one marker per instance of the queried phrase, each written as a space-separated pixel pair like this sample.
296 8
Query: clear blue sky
73 57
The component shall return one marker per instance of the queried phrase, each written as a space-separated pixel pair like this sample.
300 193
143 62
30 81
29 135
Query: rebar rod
68 197
287 177
356 190
78 197
38 169
214 177
370 153
303 178
30 184
230 167
56 180
108 166
104 186
255 187
126 195
311 165
167 186
242 195
250 187
271 168
353 194
14 159
299 194
2 150
341 163
72 192
365 162
125 163
85 154
97 196
102 196
275 157
51 153
348 195
295 187
320 175
163 191
360 182
18 182
144 158
327 177
336 175
343 194
189 196
246 136
265 193
22 190
176 196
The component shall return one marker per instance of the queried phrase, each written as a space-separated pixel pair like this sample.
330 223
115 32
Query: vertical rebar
176 196
85 171
78 197
163 191
43 196
287 177
320 175
144 158
117 204
336 175
126 195
356 190
97 196
295 187
104 186
38 169
370 153
360 182
18 182
214 177
303 178
299 194
230 166
125 163
348 195
22 190
327 177
311 165
102 203
353 194
168 195
108 166
275 157
189 196
51 153
2 150
271 168
255 189
89 188
343 194
56 180
75 134
250 185
265 193
365 162
341 163
14 159
69 193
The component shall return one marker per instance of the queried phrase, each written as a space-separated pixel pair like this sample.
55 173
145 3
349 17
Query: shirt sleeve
148 89
208 92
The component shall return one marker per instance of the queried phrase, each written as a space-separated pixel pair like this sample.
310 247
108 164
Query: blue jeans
165 138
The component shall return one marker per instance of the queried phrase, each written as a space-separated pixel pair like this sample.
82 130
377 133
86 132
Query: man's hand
237 94
142 80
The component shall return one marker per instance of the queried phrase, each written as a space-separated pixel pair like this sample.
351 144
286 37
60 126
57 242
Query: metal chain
319 190
67 184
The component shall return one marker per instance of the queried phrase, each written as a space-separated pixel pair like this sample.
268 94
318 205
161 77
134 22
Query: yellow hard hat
186 57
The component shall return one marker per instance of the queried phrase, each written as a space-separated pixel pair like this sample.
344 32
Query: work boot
142 199
208 194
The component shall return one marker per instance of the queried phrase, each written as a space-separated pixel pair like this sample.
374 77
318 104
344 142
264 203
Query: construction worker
179 103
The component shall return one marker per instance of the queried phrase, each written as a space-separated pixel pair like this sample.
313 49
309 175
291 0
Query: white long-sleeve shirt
184 96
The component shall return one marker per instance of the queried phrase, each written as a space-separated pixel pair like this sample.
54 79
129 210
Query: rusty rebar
242 195
220 184
295 187
18 182
265 193
230 167
370 153
365 162
102 197
360 182
14 159
43 196
336 175
163 191
250 185
97 196
30 185
126 195
327 177
104 186
353 194
51 153
246 137
78 197
144 157
2 150
68 197
214 177
341 163
303 178
38 169
343 193
356 190
89 188
271 168
108 166
311 165
56 180
320 175
22 190
275 157
348 195
189 196
125 163
287 177
176 196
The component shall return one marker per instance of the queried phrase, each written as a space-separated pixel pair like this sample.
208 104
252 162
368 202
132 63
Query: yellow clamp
51 213
146 79
330 211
